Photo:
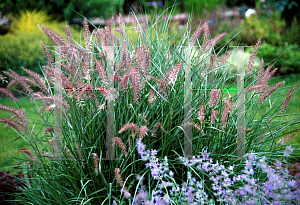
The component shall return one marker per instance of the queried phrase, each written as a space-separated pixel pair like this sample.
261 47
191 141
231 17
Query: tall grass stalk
149 78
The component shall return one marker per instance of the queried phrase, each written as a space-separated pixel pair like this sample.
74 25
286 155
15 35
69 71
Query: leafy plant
89 8
21 47
10 186
270 28
285 57
143 82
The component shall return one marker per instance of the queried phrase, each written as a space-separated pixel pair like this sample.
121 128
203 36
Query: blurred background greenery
276 21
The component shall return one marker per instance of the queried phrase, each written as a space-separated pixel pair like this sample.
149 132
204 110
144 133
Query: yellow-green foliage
22 45
26 21
270 28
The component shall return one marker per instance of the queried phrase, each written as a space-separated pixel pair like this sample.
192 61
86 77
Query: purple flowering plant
138 87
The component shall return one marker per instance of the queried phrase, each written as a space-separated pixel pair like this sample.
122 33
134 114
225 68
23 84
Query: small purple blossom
276 188
288 151
154 4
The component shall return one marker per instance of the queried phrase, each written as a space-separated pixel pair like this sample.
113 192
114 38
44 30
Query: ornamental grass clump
143 82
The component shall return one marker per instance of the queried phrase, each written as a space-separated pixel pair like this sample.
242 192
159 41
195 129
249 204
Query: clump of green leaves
21 47
143 80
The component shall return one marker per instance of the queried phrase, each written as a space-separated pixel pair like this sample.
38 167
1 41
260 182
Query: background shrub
269 27
87 8
22 45
285 57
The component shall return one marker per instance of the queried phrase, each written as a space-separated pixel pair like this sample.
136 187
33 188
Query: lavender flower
289 150
154 3
276 188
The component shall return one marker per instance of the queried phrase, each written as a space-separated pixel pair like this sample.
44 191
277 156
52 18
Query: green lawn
10 140
294 105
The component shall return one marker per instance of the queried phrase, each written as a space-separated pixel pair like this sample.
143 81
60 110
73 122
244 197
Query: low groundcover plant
68 165
276 190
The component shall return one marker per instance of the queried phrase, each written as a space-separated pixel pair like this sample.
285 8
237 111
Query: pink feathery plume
37 78
162 84
282 141
269 92
217 38
196 34
120 181
253 88
53 36
48 129
96 162
230 105
9 94
225 57
68 33
253 56
288 97
206 34
124 51
171 75
136 24
201 114
119 142
87 36
215 95
155 127
20 113
123 65
48 55
261 70
129 126
125 80
100 70
147 61
225 112
214 116
152 97
264 80
28 153
122 23
2 78
135 83
19 79
12 123
143 131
